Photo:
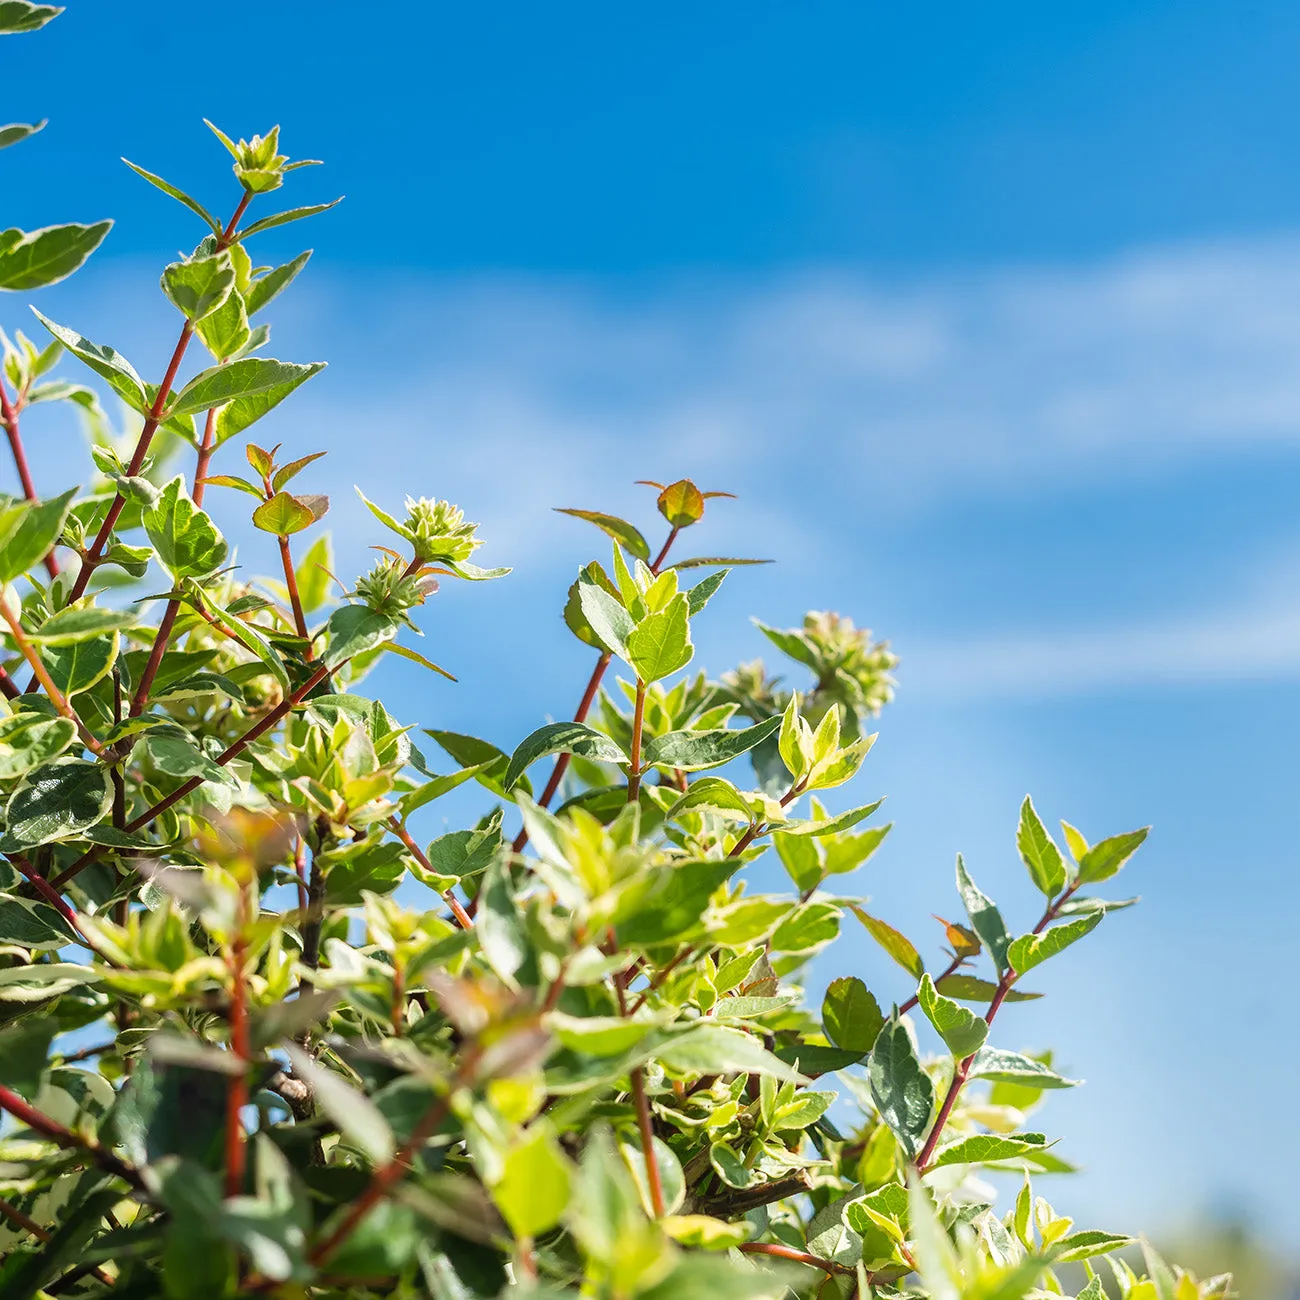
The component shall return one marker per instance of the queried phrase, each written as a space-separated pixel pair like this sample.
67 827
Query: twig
9 417
962 1072
953 967
584 707
92 556
55 1132
20 1220
391 1173
760 828
638 724
463 918
827 1266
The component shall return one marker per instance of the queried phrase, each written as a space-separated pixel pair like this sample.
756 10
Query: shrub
255 1038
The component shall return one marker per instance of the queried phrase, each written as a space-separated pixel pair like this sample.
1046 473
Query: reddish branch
90 559
962 1072
241 1049
387 1176
55 1132
463 918
760 828
827 1266
9 418
584 707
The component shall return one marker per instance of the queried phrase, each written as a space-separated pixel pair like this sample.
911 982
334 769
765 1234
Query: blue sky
990 316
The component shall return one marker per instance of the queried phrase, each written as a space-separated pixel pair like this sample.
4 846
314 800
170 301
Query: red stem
8 687
646 1127
562 762
638 724
463 918
827 1266
295 600
9 417
584 707
760 829
387 1175
32 655
237 1089
962 1072
161 642
91 558
54 1132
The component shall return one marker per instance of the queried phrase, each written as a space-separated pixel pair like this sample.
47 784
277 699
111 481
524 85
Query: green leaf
77 667
985 919
57 802
717 1049
71 625
1031 949
609 621
17 131
38 528
470 751
714 562
699 595
819 828
405 652
283 515
562 738
267 287
619 529
897 945
357 1117
354 629
660 643
970 988
1001 1066
1076 1246
104 361
985 1148
1038 851
183 534
179 195
1104 860
313 574
17 16
283 218
693 751
598 1035
498 925
258 382
44 257
196 288
29 739
533 1190
961 1030
851 1015
900 1088
225 331
681 893
808 926
177 756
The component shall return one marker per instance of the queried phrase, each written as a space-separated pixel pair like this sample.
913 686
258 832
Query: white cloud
829 399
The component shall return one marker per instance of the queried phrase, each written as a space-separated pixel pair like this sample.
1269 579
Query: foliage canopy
257 1039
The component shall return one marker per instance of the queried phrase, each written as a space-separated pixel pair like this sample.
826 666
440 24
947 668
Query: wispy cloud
829 399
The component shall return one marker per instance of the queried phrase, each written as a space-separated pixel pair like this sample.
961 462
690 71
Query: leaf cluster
259 1036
